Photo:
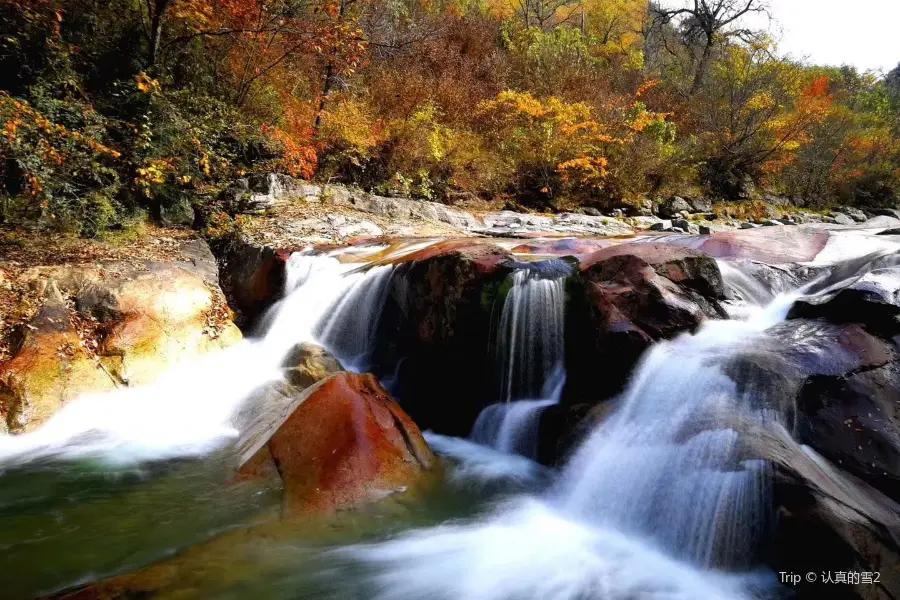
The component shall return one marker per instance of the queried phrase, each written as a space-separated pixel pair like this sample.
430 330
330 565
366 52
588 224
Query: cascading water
530 342
658 503
189 411
530 349
662 478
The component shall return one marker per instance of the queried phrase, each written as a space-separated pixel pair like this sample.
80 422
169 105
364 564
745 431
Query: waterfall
189 410
530 342
529 354
657 503
669 444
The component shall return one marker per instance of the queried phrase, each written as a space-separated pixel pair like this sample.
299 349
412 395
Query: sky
863 33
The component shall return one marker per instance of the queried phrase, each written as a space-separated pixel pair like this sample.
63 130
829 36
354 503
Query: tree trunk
156 24
329 80
326 90
700 75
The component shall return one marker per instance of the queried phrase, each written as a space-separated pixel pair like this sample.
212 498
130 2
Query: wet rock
889 232
746 225
828 523
673 207
854 421
623 299
772 223
705 230
767 244
344 443
661 226
253 276
436 332
306 364
872 299
837 386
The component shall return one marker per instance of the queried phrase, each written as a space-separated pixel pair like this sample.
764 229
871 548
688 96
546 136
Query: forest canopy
109 108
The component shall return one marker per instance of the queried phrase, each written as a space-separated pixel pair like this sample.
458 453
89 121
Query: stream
657 502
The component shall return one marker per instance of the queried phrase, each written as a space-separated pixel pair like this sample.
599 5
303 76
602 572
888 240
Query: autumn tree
698 27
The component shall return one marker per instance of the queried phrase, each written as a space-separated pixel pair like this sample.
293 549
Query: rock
672 207
511 224
49 368
399 208
705 230
661 226
436 325
306 364
842 219
835 384
828 521
767 244
623 299
746 225
700 205
359 228
344 443
178 212
681 224
772 223
889 232
675 230
854 213
134 322
591 211
268 191
253 276
885 212
883 222
873 300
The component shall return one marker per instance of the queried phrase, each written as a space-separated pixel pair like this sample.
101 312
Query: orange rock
348 443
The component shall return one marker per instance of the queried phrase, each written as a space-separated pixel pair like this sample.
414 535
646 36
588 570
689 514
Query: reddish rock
579 247
253 276
771 245
346 444
625 298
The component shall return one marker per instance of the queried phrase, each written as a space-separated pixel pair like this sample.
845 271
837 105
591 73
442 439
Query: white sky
863 33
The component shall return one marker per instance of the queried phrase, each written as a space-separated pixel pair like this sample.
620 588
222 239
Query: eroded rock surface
110 325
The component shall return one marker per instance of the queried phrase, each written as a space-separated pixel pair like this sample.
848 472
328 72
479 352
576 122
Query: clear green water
64 524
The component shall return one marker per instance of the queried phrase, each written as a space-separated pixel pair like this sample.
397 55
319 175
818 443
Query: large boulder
345 442
828 523
253 276
50 367
625 298
872 299
111 325
673 207
435 334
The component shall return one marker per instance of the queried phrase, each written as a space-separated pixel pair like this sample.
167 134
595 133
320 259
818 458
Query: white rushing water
530 353
189 410
655 504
